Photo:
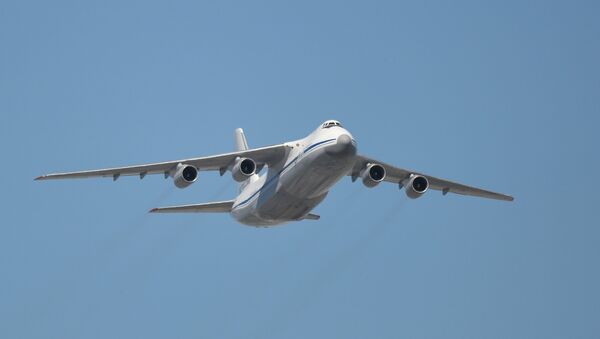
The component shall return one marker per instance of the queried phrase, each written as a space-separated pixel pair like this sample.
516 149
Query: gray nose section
343 146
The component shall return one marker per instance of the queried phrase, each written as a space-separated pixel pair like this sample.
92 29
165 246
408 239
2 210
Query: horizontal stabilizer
211 207
311 216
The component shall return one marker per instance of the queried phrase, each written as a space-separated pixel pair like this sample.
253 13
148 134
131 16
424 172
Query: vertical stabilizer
240 140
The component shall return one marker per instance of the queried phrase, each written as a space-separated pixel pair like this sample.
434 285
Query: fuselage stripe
315 145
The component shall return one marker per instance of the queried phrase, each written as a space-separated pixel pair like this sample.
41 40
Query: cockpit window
328 124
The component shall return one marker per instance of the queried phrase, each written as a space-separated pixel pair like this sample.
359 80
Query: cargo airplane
298 176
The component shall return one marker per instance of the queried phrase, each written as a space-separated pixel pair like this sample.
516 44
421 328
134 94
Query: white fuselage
291 189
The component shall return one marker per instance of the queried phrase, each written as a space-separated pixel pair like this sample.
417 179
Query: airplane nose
343 146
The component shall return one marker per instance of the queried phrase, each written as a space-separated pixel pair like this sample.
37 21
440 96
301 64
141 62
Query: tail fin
240 140
241 145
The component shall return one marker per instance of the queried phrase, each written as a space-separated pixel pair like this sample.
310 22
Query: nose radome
344 139
344 145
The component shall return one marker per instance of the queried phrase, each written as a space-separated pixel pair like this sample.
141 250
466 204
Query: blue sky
502 95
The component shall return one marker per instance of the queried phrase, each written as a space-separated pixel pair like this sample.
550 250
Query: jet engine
415 186
372 175
184 175
242 169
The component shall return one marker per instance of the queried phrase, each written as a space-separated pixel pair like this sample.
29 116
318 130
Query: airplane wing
211 207
397 175
265 155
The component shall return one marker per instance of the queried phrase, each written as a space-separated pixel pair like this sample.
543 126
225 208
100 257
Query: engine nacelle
415 186
242 169
184 175
372 175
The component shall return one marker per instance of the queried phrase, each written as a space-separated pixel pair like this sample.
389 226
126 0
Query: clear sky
503 95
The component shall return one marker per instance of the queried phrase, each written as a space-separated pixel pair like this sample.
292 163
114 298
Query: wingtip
506 197
39 178
153 210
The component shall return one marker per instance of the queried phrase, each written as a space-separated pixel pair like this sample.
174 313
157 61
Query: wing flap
449 186
211 207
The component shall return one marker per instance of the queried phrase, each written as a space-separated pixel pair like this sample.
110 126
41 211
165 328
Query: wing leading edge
265 155
397 175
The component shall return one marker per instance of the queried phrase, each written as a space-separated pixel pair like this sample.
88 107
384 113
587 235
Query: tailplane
211 207
311 216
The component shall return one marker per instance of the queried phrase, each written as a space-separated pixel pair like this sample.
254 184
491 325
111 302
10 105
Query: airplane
299 176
